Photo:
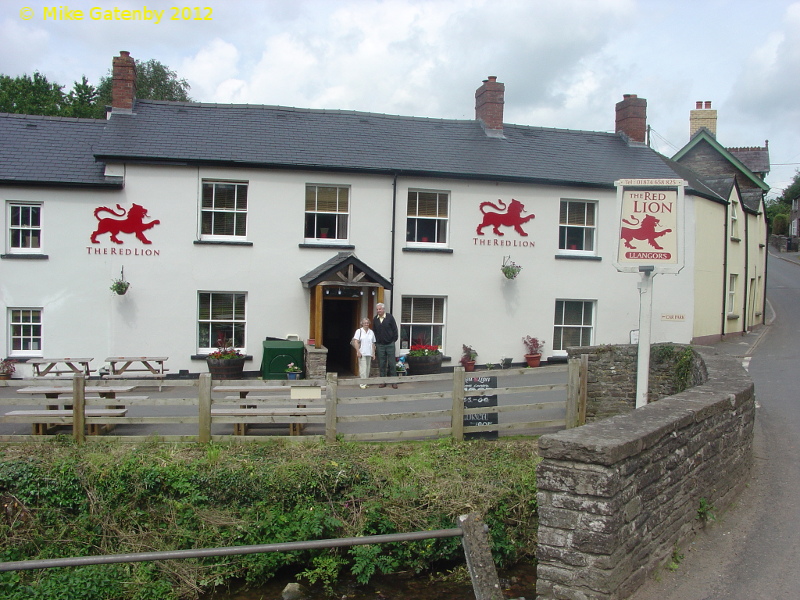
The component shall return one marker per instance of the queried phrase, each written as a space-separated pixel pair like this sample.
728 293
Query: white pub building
248 222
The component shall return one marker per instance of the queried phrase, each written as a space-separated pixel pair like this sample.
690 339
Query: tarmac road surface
752 552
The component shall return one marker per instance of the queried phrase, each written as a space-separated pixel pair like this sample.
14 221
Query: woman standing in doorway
364 343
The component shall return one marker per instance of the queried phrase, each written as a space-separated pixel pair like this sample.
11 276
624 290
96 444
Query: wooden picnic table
56 393
298 394
137 366
50 366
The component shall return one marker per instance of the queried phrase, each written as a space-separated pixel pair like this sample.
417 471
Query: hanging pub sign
650 225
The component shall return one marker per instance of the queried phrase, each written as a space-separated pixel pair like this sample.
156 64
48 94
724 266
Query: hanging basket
509 268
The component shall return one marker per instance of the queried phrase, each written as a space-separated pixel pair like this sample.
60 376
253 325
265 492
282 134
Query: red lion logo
133 222
646 230
512 217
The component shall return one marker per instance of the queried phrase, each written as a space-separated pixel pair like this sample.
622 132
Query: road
752 552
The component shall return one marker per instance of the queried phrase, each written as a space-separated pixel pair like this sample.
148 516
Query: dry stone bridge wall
617 495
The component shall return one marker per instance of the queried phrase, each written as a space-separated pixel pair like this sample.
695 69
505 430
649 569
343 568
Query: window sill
732 316
221 243
578 257
25 256
327 245
421 249
736 239
205 356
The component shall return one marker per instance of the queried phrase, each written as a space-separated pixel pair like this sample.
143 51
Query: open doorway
339 322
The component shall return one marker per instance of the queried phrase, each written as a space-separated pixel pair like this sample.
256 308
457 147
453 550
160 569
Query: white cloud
214 65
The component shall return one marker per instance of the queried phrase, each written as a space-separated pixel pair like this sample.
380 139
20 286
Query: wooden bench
64 418
267 415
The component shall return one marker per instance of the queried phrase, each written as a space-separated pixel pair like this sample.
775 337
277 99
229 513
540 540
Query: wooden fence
349 413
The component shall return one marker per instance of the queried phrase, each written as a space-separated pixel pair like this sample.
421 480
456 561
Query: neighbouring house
245 222
728 300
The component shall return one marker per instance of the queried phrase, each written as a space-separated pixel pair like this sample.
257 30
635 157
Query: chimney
702 116
123 82
489 100
632 117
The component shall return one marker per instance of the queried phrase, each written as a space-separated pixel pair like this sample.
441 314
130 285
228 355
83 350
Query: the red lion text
646 230
133 222
512 217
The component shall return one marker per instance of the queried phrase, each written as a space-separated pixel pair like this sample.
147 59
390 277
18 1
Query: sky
565 63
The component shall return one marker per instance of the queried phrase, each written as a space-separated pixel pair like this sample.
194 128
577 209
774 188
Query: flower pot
424 365
469 365
225 368
533 360
292 376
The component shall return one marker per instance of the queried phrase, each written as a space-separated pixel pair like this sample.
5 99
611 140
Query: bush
67 500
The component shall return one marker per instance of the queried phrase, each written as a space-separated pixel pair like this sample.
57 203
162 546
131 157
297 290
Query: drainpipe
725 241
394 225
766 271
746 271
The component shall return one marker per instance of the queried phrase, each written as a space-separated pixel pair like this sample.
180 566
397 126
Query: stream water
519 582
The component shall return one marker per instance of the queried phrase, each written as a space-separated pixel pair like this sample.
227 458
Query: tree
37 96
30 95
154 81
82 100
791 192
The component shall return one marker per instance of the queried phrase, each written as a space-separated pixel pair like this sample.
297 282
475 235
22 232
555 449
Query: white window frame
733 281
559 324
341 218
584 227
441 219
239 210
14 226
408 319
21 342
734 233
217 325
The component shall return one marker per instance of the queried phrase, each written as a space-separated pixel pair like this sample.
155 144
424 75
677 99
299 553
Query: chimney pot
699 104
632 117
708 103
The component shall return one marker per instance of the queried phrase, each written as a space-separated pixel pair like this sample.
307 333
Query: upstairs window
221 320
734 220
25 228
25 325
327 213
576 232
427 217
224 210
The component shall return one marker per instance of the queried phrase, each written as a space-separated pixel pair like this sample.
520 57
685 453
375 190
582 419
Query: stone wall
611 381
617 495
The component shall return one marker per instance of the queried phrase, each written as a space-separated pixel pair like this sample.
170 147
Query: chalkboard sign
473 384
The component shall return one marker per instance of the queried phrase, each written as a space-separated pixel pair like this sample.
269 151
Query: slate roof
755 159
328 270
51 151
280 137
